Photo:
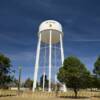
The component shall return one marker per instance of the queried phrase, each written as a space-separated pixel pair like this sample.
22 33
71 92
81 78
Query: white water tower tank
54 26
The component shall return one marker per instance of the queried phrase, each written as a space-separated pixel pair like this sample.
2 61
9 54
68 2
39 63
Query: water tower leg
50 53
37 63
62 58
62 51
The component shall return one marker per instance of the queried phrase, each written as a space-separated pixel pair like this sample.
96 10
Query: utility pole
19 80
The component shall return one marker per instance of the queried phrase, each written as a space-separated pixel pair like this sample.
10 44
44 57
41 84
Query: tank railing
48 47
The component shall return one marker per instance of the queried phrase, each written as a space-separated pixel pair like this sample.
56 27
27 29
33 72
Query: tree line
73 73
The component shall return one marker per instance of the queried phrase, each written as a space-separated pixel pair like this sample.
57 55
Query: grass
83 95
43 98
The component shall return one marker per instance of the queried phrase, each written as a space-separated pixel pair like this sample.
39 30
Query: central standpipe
50 53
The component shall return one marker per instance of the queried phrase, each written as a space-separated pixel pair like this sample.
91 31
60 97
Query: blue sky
19 21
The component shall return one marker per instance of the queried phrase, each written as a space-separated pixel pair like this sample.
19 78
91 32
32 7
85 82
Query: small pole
19 80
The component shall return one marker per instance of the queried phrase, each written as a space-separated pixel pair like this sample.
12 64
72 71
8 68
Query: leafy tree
46 81
96 71
74 74
28 83
5 71
14 83
95 82
97 67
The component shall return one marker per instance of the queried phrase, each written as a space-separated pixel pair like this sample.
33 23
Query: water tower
50 33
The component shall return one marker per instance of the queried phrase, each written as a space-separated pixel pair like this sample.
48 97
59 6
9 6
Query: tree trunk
75 91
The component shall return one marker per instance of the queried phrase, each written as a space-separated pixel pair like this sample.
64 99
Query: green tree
74 74
96 72
14 83
95 82
28 83
97 67
46 81
5 71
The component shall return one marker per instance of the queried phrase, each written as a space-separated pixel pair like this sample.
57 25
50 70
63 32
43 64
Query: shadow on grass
97 96
7 95
72 97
